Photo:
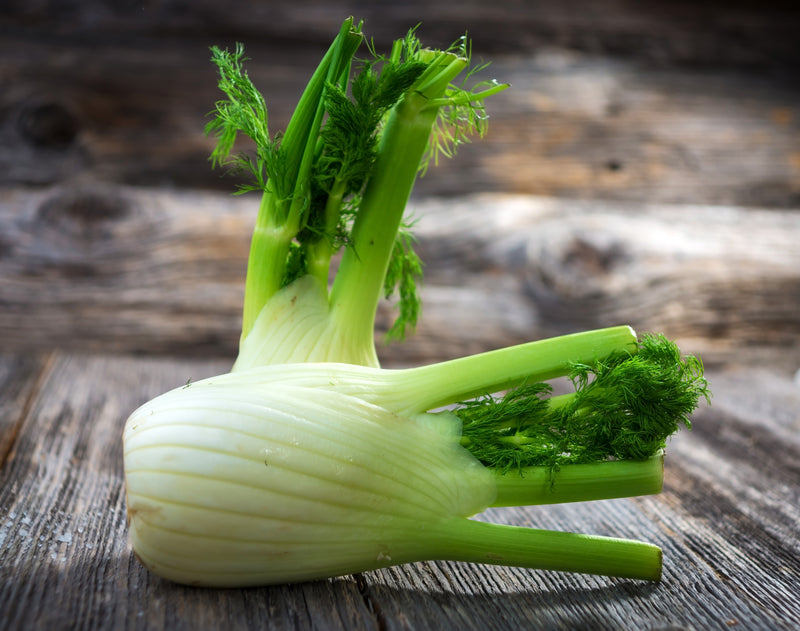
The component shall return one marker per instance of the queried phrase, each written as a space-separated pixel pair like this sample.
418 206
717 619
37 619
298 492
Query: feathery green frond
624 407
402 276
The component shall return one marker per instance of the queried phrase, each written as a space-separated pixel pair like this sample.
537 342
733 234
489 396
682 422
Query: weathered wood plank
752 34
725 522
94 265
606 128
121 104
722 279
148 271
20 380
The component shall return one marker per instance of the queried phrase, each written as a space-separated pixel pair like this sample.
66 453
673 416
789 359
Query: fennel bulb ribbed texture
297 324
228 484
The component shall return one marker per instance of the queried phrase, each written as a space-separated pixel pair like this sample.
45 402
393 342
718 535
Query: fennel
309 460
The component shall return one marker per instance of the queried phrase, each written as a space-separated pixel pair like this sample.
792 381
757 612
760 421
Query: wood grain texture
133 270
80 261
743 33
608 100
723 279
726 523
20 380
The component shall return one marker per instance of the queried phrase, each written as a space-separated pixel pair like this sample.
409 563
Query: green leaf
624 408
402 275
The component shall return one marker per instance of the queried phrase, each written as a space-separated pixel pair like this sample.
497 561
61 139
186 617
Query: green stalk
280 211
303 129
358 286
320 253
269 248
495 544
461 379
580 482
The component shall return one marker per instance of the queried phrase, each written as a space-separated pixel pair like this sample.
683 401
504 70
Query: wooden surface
644 168
727 522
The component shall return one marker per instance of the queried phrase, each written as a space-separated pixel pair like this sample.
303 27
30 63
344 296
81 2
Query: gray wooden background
644 168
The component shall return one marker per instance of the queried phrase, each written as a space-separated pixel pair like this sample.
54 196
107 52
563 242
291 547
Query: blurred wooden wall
668 101
680 119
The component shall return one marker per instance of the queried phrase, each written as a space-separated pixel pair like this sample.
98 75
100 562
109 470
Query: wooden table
121 275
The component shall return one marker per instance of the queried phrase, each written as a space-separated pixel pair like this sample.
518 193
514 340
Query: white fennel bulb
234 484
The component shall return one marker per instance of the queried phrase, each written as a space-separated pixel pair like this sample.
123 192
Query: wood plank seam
7 455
